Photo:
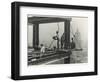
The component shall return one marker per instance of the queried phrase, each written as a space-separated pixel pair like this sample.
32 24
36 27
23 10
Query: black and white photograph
57 40
53 40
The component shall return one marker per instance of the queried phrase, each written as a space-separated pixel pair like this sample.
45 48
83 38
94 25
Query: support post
67 39
67 34
35 35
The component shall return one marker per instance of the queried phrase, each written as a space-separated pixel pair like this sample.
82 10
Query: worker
54 48
72 44
62 40
42 48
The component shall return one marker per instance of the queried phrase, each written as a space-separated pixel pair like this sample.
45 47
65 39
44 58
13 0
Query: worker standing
72 44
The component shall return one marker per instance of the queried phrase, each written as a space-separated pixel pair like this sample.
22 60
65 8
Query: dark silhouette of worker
54 48
62 40
72 44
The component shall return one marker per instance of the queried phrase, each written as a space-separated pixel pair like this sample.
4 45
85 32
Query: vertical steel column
35 35
67 34
67 39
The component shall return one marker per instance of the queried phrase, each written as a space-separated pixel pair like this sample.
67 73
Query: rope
75 37
58 29
72 34
51 43
58 35
58 26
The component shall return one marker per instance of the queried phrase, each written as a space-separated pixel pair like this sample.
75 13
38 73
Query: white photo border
55 69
